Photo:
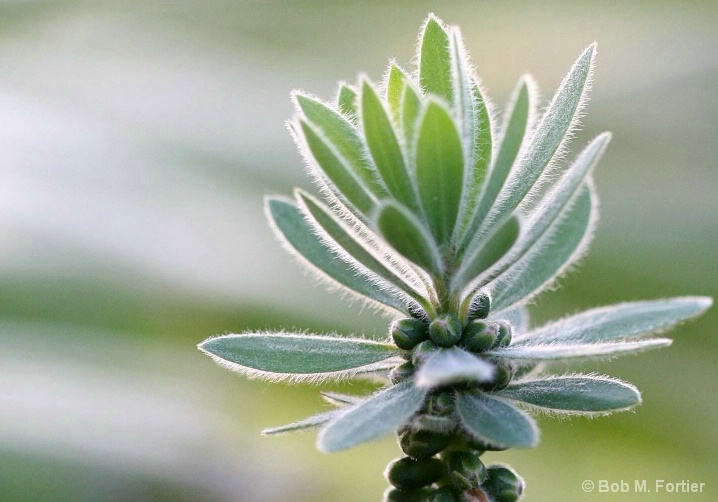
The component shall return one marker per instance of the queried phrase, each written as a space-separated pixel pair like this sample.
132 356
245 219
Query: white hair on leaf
559 413
314 378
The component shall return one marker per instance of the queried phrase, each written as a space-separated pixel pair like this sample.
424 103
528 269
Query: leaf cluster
450 221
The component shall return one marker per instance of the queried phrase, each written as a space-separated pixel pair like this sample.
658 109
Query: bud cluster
446 330
420 339
421 477
441 460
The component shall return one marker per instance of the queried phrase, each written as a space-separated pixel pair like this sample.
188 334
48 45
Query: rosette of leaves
450 221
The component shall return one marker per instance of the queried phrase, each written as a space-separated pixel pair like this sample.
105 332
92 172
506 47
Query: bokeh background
136 142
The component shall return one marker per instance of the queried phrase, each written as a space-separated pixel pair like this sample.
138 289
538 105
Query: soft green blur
136 142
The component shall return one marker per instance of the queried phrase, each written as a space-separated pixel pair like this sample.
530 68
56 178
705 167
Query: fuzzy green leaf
411 104
345 138
495 421
564 191
493 248
396 81
439 170
559 246
347 101
380 414
409 237
576 394
307 423
435 72
384 147
556 351
466 105
482 146
350 242
551 134
565 188
515 130
291 226
617 322
348 186
447 366
280 356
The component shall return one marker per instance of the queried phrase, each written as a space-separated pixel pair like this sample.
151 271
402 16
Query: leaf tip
202 346
591 50
298 98
605 137
365 84
324 445
704 302
434 22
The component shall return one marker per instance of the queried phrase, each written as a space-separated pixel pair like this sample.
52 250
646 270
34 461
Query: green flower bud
401 373
479 336
423 444
396 495
504 374
422 351
466 470
445 330
407 333
441 404
409 474
503 484
480 307
442 495
503 338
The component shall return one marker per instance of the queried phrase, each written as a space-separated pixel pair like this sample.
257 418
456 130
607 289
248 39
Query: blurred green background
136 142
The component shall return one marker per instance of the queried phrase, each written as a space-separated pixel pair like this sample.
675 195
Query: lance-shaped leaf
384 147
493 248
348 186
482 146
347 101
447 366
464 102
515 130
405 233
576 394
344 137
280 356
550 135
559 246
545 214
495 421
291 226
617 322
307 423
556 351
380 414
439 170
435 71
397 79
565 188
411 104
325 220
